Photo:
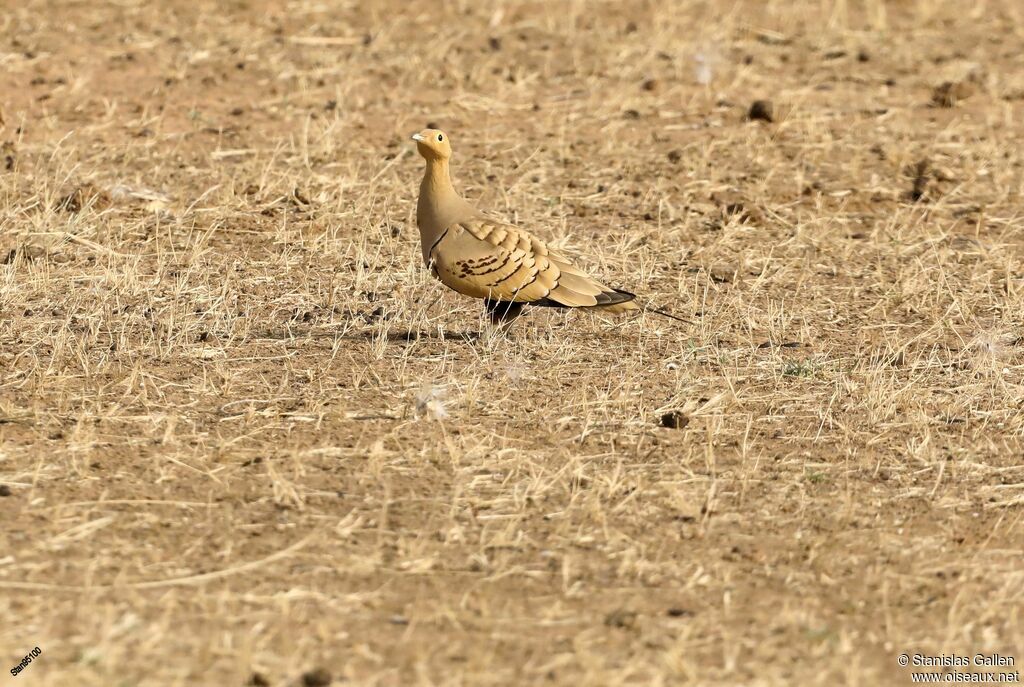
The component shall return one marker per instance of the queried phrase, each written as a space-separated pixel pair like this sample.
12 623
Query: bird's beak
418 137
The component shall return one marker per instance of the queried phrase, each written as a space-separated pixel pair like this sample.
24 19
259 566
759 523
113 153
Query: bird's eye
440 137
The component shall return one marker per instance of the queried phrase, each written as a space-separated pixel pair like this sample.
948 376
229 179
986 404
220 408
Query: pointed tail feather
616 301
612 301
665 314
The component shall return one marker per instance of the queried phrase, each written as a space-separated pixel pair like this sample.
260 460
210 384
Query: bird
504 265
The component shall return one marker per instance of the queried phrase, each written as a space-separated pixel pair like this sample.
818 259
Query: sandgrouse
506 266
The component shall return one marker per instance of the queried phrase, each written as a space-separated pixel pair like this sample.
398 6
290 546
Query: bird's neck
439 205
437 181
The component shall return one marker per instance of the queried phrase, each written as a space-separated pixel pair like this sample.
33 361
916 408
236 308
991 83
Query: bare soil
246 439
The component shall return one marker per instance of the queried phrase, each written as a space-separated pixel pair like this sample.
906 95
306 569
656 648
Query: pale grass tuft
430 402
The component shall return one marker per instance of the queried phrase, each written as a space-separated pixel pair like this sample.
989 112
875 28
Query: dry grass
244 432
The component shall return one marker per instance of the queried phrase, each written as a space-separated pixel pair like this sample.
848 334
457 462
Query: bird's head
433 144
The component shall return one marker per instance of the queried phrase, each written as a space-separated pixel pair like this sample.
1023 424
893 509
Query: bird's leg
503 312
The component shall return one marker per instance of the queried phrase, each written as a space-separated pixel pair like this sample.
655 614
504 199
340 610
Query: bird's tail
617 301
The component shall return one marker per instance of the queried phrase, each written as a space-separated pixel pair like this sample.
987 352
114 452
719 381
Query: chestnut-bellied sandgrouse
506 266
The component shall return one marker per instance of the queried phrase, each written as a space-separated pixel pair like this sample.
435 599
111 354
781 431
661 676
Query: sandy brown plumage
504 265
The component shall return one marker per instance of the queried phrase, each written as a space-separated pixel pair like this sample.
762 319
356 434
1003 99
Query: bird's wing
487 259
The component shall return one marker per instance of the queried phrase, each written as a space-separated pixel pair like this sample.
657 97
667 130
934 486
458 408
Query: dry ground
245 439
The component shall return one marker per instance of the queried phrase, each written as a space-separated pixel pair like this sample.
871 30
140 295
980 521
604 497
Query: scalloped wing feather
482 258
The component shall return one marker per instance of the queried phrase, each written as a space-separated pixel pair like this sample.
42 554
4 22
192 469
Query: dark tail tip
614 297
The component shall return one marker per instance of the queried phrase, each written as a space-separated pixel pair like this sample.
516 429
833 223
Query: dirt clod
622 619
378 313
674 419
733 205
761 110
8 155
920 180
318 677
5 490
84 196
678 612
949 93
723 273
29 252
